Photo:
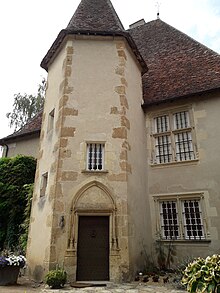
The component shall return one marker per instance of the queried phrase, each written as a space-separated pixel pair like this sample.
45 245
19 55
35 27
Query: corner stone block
124 101
120 45
125 167
63 142
68 131
126 145
122 177
114 110
59 206
120 90
124 81
125 122
63 84
65 153
69 176
69 50
70 112
121 53
120 132
68 90
120 70
68 71
124 155
63 101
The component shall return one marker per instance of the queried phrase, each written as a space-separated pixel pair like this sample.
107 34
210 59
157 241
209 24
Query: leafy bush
15 173
203 275
24 227
56 278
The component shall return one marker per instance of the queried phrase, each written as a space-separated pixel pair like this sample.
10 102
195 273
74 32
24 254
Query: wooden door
93 249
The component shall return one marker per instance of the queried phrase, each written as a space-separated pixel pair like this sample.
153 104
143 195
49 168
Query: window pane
181 120
163 149
169 220
161 124
184 146
95 156
192 220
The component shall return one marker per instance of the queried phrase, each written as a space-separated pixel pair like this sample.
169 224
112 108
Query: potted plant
9 268
56 279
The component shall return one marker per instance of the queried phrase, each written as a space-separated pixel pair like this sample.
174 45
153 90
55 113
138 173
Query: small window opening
44 184
51 120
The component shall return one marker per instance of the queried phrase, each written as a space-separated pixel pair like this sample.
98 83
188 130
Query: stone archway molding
93 198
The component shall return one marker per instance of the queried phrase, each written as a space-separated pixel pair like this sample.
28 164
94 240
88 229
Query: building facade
128 152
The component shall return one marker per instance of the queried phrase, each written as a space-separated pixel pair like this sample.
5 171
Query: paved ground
25 286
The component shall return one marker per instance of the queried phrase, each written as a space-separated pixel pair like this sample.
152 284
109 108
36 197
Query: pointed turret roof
98 15
94 17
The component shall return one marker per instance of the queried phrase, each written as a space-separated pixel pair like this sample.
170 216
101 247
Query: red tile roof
94 17
32 127
178 65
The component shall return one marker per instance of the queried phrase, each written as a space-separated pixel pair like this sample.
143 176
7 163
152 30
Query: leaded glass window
173 138
169 220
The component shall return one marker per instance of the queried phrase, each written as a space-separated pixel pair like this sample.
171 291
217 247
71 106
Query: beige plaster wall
27 147
138 203
200 176
87 87
40 241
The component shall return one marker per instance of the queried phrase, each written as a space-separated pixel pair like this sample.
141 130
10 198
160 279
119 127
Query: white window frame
95 156
170 142
181 218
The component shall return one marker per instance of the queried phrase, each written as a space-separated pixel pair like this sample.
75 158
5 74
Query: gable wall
27 147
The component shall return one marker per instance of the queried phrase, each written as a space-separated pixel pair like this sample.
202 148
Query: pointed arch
103 200
92 198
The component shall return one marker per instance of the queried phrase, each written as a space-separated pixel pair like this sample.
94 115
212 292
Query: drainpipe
5 151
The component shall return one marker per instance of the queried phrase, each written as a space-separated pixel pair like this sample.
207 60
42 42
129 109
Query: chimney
137 23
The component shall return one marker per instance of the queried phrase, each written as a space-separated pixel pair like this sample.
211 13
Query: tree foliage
15 174
26 107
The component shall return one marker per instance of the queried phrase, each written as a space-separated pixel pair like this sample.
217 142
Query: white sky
28 28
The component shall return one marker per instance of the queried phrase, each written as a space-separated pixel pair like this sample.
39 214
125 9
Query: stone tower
90 205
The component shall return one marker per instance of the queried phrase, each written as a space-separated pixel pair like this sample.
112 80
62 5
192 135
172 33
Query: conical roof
97 15
94 17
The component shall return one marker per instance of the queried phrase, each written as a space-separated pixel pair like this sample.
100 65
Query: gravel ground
26 286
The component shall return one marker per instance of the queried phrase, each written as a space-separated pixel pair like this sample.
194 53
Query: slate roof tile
98 15
178 65
33 126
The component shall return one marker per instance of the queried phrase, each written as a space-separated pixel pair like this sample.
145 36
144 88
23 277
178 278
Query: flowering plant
12 260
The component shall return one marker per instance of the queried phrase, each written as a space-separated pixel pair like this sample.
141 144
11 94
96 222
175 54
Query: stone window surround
170 111
181 197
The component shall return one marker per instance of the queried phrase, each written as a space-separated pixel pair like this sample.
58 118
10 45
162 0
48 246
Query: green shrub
15 173
56 278
203 275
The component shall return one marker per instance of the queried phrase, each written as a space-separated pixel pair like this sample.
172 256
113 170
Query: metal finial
158 9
